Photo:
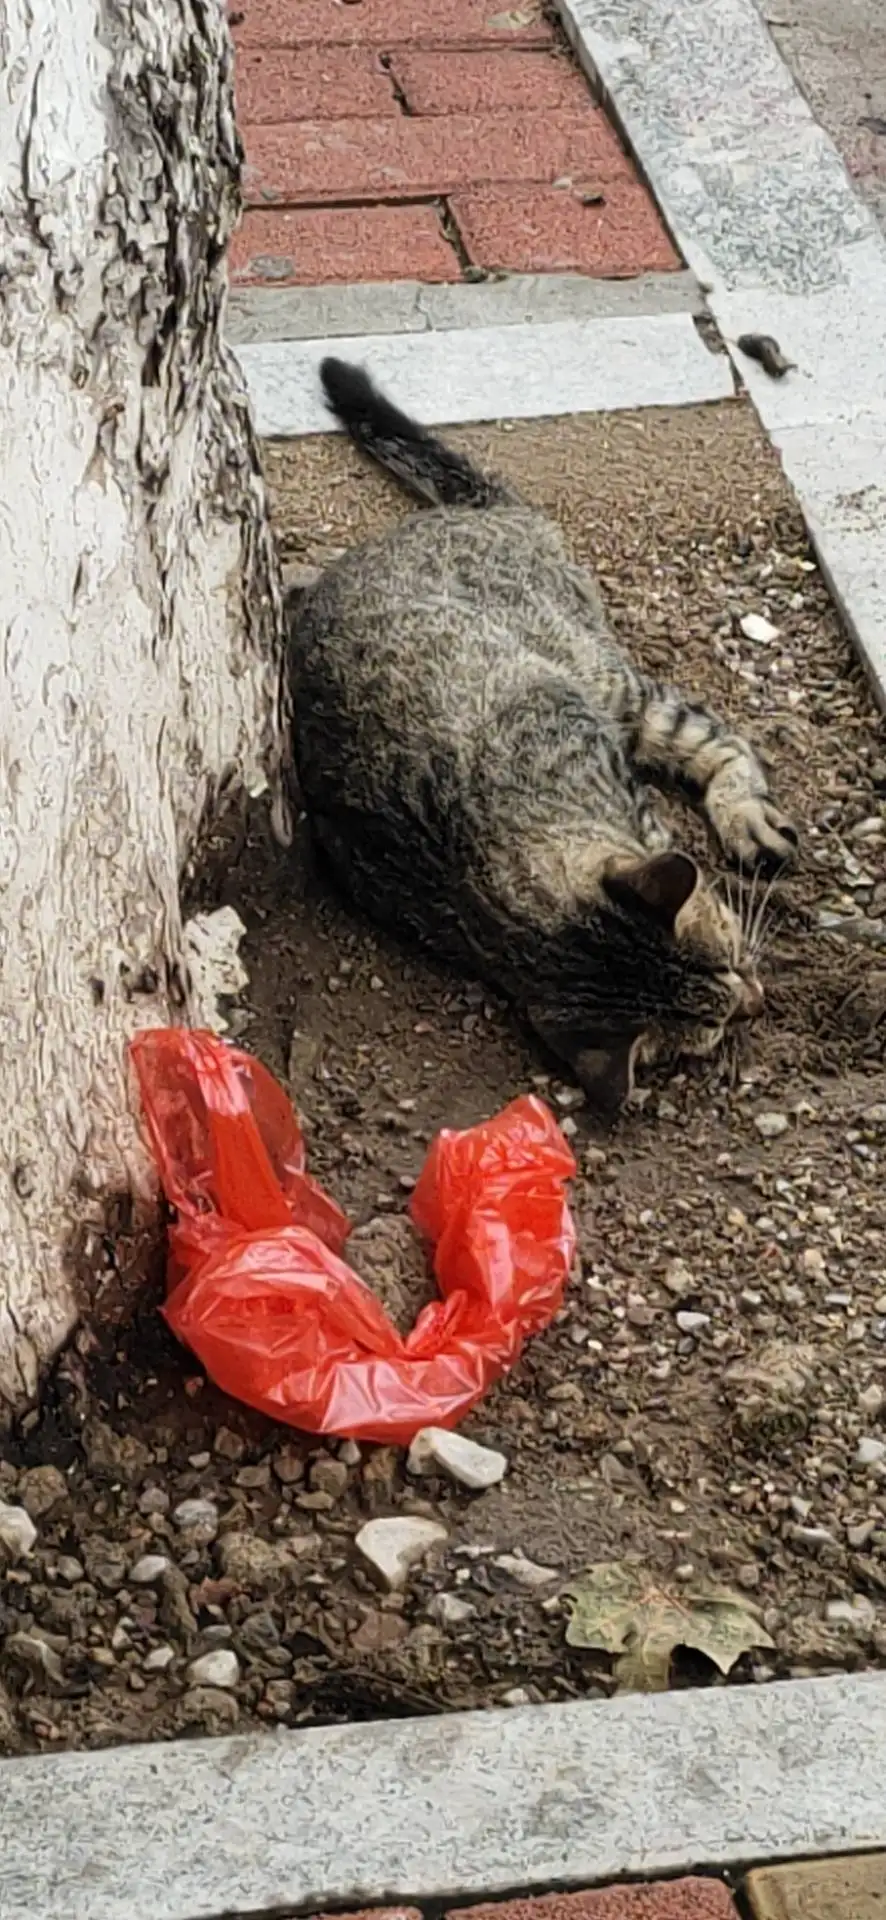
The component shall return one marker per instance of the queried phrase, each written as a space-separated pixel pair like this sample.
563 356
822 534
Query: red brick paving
388 23
435 83
320 246
311 83
327 160
352 115
549 230
665 1900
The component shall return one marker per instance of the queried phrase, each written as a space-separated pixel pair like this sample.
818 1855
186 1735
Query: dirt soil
711 1398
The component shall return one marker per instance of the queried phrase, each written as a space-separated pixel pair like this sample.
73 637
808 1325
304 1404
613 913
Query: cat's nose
751 1000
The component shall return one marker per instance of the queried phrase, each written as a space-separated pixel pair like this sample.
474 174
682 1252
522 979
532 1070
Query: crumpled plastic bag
257 1286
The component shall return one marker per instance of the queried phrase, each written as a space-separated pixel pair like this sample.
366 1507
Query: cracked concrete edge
766 217
497 372
409 306
456 1805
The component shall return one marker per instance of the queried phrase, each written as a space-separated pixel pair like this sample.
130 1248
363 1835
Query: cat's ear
607 1074
656 888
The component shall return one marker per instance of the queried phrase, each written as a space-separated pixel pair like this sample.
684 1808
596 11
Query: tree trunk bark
141 651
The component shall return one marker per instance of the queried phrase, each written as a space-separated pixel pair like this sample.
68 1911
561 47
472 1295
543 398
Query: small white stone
192 1516
450 1610
857 1612
434 1450
220 1668
17 1532
770 1125
870 1451
349 1452
692 1322
870 1399
515 1697
756 627
391 1547
148 1569
678 1278
527 1573
158 1659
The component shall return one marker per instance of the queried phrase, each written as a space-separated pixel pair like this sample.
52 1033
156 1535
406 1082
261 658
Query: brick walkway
379 148
847 1889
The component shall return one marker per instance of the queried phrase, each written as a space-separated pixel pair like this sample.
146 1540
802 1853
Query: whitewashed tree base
140 662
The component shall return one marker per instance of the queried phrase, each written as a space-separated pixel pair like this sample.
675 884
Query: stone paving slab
846 1889
450 1807
764 213
495 373
412 306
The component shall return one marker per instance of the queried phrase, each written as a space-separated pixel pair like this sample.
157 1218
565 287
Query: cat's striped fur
472 747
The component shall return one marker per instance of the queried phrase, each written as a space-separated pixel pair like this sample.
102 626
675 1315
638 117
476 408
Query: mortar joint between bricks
452 234
386 61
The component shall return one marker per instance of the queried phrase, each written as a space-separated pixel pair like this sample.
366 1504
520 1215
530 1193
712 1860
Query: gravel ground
711 1398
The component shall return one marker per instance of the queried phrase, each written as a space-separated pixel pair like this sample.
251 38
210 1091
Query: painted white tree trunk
140 622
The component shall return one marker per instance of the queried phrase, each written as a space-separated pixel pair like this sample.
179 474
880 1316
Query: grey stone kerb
768 221
457 1805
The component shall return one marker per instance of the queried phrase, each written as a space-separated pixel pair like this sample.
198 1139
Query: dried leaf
622 1608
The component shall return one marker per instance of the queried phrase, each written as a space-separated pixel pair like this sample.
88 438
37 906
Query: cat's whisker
757 929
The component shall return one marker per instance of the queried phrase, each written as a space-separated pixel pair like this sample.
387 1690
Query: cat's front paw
755 833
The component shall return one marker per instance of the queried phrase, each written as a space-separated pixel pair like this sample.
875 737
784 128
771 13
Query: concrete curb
409 306
458 1805
498 372
765 214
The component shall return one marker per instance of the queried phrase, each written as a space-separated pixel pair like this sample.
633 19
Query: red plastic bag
257 1285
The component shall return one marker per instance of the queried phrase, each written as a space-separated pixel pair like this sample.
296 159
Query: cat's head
666 968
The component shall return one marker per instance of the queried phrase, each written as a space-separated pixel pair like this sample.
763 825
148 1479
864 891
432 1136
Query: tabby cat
471 745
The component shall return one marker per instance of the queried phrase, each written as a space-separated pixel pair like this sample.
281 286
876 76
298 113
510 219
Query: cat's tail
421 463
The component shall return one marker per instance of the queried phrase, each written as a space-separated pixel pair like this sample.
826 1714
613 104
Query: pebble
756 627
288 1467
228 1445
70 1570
17 1532
199 1517
692 1322
391 1547
221 1668
770 1125
40 1489
870 1399
678 1278
252 1562
350 1453
158 1659
870 1451
450 1610
153 1500
527 1573
516 1697
329 1476
857 1612
434 1450
148 1569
